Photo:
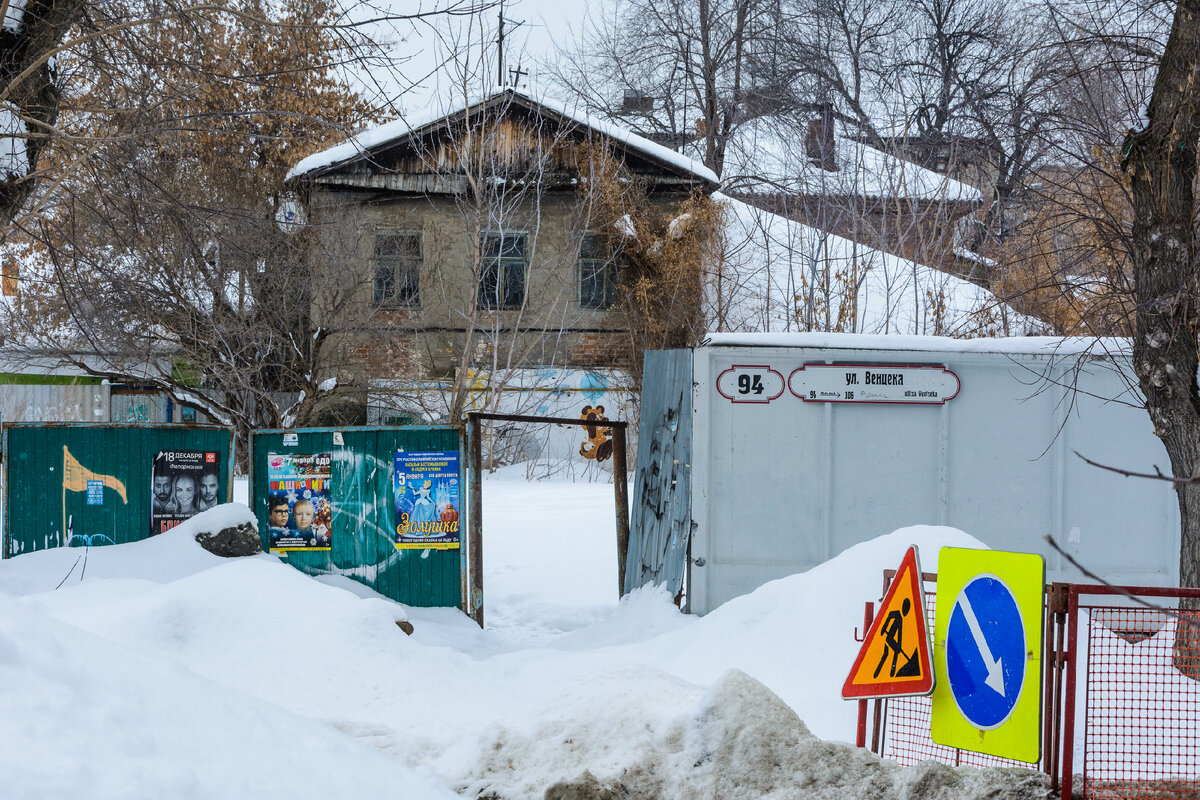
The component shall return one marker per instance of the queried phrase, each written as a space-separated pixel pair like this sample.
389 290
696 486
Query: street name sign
988 652
901 384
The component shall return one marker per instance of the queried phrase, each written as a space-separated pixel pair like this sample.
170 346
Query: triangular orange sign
894 660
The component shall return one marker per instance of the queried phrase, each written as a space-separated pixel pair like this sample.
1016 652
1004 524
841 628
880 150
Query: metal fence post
860 738
475 534
1056 657
1068 749
621 494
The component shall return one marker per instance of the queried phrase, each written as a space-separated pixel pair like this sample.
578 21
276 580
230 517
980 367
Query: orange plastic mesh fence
1141 734
905 726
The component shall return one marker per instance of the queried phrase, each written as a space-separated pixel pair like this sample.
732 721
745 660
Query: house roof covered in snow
769 155
368 145
779 276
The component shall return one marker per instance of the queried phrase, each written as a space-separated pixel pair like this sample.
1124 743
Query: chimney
820 142
634 102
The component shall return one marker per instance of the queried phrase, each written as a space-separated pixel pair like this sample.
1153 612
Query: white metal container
981 435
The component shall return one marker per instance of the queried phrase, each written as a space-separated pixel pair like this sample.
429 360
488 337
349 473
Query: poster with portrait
425 490
299 511
182 484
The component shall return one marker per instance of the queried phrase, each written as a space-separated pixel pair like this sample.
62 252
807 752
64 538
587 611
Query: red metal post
875 725
1056 617
1062 657
1048 686
860 739
1068 724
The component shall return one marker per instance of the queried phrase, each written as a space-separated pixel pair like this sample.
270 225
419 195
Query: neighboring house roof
769 262
13 14
13 159
373 140
769 155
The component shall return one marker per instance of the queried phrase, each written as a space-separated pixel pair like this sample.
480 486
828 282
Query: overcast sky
533 29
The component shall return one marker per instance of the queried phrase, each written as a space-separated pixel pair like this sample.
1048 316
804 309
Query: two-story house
475 234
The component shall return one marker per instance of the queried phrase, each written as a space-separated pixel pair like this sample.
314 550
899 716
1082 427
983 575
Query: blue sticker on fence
95 493
985 652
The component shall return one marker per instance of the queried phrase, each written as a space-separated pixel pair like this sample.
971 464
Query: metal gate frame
1074 593
474 596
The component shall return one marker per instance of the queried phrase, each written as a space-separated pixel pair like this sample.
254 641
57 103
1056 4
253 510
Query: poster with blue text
299 512
425 490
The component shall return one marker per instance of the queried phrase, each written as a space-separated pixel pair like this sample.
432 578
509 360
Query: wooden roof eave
678 176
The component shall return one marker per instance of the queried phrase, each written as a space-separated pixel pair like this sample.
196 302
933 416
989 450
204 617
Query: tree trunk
35 95
1160 161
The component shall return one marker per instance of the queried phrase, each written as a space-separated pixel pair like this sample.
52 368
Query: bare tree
160 239
52 50
681 70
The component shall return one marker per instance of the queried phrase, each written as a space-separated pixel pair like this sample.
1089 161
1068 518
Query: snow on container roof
363 143
1015 345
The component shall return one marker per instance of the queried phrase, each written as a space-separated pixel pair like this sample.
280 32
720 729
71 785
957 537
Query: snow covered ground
155 670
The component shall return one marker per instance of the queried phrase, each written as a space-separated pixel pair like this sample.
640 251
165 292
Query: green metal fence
77 484
349 477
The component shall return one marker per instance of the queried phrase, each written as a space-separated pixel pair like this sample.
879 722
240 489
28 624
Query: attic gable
508 134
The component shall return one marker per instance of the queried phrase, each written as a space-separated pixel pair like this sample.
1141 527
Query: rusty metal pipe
621 495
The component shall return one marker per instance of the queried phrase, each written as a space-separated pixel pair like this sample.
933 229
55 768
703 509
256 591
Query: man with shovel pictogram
892 632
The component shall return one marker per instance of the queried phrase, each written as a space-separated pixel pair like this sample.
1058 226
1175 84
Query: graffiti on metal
598 445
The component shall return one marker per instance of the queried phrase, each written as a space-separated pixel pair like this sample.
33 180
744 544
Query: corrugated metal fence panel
363 513
45 508
661 519
54 402
127 406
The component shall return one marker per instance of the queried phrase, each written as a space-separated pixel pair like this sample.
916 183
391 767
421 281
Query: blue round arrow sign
985 652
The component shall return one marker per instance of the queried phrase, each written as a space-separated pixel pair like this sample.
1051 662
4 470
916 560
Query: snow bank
163 558
739 742
84 717
164 671
795 634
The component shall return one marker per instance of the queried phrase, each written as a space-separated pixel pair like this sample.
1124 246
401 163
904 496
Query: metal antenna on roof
500 74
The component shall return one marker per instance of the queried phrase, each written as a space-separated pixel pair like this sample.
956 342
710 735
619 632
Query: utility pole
500 48
501 73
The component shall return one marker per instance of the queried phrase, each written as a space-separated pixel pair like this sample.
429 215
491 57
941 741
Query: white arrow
995 676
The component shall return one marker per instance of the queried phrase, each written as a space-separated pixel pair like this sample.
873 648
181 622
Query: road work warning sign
894 660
